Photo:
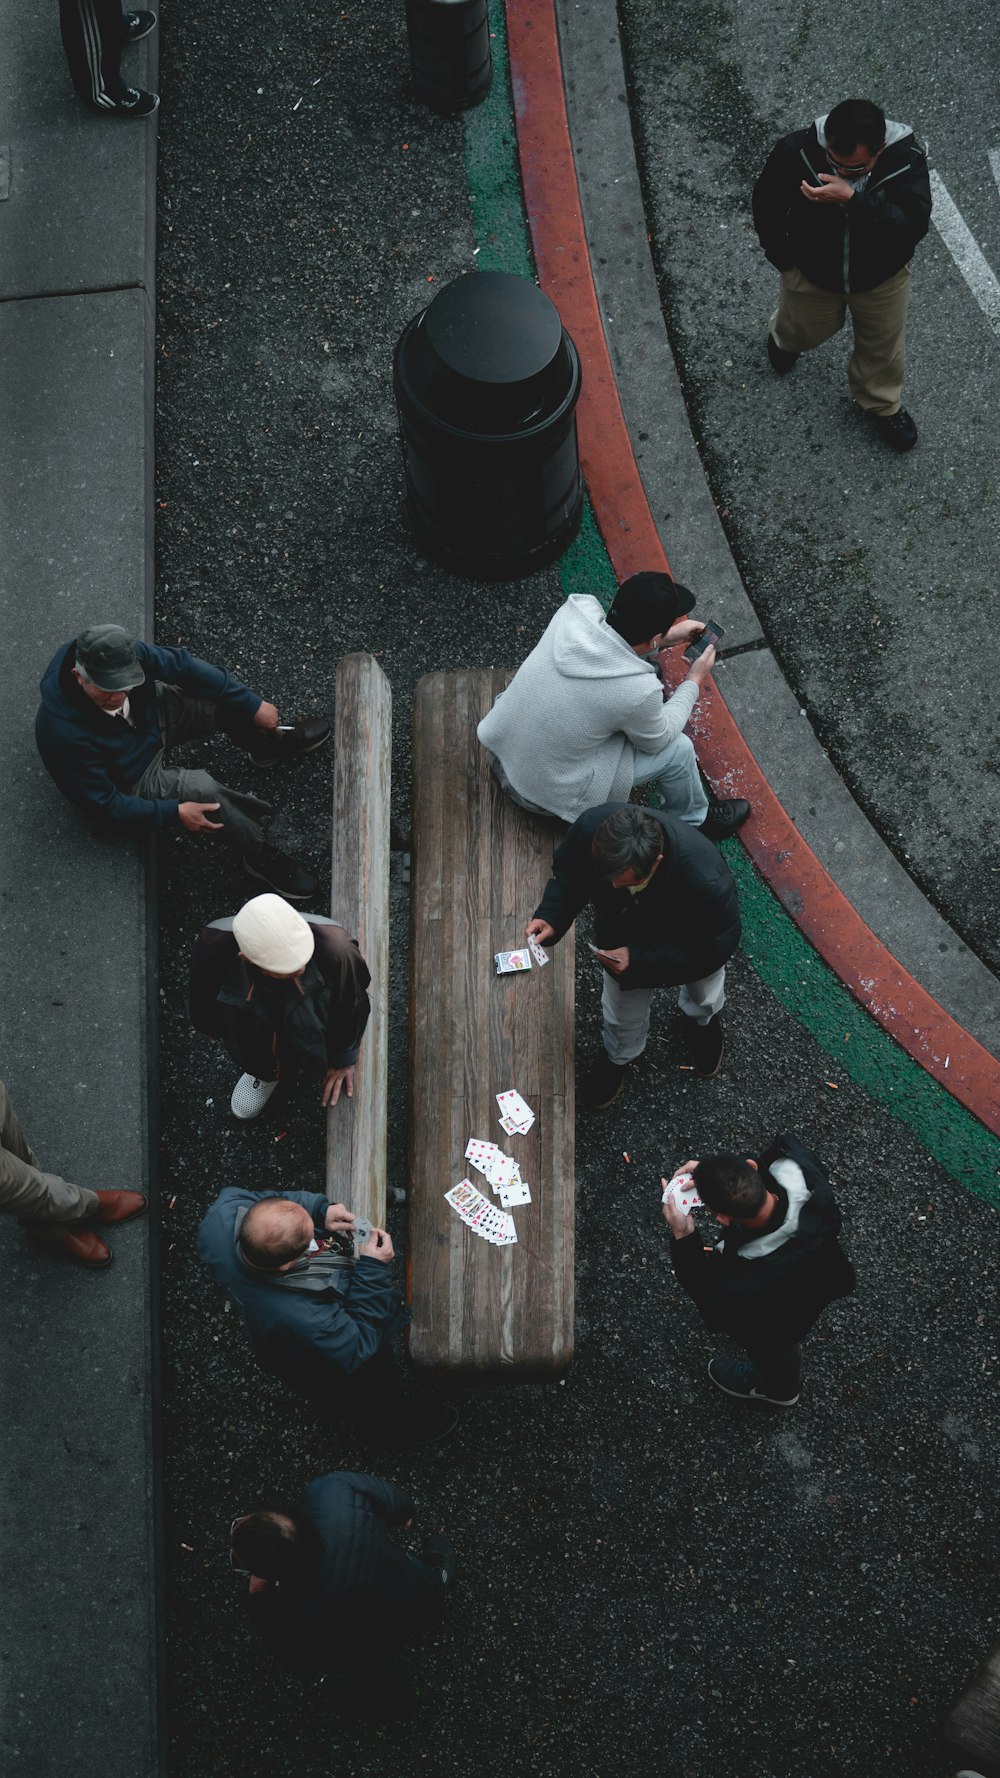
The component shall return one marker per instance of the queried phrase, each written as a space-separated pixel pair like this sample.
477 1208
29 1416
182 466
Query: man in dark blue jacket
839 209
777 1266
329 1587
111 708
317 1315
665 915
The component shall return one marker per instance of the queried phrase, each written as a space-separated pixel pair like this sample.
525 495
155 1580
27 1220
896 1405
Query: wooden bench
356 1128
479 866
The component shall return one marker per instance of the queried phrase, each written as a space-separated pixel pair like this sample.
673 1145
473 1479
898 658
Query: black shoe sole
757 1400
139 37
275 888
268 765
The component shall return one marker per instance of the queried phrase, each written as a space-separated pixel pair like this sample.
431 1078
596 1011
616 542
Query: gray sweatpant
183 718
626 1011
42 1202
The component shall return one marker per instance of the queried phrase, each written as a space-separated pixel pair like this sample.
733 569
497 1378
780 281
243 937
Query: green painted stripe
778 951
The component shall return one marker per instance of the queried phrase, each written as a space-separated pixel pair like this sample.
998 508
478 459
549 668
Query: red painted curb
834 928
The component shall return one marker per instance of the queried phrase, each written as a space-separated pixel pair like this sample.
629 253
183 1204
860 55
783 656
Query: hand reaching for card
679 1222
541 930
377 1246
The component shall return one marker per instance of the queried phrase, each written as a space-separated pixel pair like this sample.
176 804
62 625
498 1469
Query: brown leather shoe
82 1245
119 1206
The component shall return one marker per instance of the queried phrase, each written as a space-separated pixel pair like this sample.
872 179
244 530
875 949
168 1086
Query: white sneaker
250 1096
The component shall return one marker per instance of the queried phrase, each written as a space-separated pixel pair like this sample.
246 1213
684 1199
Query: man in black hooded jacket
839 209
776 1268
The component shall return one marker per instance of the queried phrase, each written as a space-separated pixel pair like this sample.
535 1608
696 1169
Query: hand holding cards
682 1192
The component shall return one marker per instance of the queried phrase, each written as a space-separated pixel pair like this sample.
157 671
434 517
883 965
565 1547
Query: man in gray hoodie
586 715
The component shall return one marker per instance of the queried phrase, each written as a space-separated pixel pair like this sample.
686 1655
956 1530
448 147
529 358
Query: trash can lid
490 327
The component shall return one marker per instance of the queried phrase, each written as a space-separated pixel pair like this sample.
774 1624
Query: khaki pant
806 316
184 718
41 1201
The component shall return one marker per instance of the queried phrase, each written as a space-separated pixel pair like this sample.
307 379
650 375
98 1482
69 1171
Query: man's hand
831 190
258 1583
615 962
193 817
378 1246
540 930
267 716
334 1079
701 668
338 1217
679 1223
682 631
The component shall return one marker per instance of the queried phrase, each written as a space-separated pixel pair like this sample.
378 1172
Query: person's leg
806 315
674 771
703 999
779 1371
92 39
875 372
43 1202
241 815
625 1017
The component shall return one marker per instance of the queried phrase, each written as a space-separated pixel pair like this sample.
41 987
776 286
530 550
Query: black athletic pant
93 34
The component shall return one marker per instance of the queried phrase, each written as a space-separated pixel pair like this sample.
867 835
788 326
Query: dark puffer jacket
771 1298
849 247
366 1599
683 926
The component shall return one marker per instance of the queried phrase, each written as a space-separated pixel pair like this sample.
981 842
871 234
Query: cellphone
711 635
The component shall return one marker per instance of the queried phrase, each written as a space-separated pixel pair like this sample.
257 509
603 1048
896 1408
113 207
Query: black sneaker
605 1081
439 1552
137 25
781 361
735 1376
279 747
898 430
724 818
133 103
428 1426
279 872
706 1047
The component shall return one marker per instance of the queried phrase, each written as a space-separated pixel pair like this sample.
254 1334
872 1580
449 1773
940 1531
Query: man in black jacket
839 209
329 1587
776 1268
666 915
287 994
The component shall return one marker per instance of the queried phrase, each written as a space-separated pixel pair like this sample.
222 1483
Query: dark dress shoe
279 747
898 430
83 1246
724 818
706 1047
605 1081
279 872
120 1206
781 361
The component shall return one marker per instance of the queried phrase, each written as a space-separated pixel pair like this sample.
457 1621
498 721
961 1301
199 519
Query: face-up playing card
482 1217
541 957
516 1114
683 1191
483 1155
515 1193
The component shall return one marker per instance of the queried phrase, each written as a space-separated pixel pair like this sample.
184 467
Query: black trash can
450 52
487 380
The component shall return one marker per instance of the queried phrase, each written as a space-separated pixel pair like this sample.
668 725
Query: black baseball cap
107 655
646 604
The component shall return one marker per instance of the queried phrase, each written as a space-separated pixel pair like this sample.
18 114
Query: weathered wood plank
356 1128
479 866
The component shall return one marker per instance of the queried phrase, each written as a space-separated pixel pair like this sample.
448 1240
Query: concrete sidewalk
78 1518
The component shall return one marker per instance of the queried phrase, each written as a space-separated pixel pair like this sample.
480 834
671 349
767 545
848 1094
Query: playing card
682 1189
515 1193
483 1155
516 1115
541 957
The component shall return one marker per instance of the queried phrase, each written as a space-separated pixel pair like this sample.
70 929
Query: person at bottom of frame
777 1267
330 1588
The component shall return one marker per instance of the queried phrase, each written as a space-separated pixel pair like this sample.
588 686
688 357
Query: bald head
275 1232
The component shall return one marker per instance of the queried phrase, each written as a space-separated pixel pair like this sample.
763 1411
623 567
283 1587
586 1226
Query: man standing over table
666 915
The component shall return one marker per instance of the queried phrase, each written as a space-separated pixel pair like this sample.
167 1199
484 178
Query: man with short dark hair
112 706
317 1314
776 1268
666 915
587 715
839 209
330 1588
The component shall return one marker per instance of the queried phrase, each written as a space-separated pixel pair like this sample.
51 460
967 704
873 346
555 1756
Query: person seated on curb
587 716
330 1588
52 1210
94 33
286 994
777 1266
111 708
665 915
318 1315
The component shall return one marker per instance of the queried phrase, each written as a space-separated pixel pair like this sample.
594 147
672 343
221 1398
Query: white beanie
273 935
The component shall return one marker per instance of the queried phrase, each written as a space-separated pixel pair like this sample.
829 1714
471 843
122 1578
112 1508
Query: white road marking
961 244
995 163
